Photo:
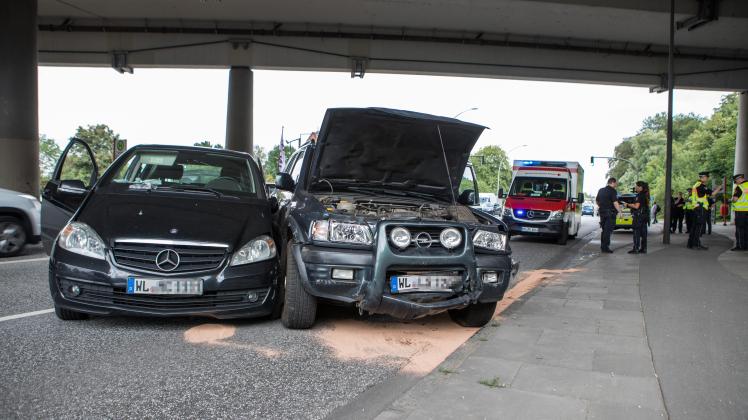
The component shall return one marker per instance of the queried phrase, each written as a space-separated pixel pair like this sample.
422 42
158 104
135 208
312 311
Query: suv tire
299 307
475 315
12 236
564 236
68 315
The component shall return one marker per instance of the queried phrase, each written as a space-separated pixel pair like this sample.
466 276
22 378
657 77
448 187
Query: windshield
538 187
186 169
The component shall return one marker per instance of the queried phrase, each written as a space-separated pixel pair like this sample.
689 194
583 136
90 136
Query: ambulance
545 199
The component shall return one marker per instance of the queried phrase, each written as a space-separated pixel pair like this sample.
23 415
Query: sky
533 120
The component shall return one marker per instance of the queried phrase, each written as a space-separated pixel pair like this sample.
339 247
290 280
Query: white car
20 221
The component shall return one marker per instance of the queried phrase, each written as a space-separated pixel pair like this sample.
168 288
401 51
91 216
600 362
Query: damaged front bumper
369 288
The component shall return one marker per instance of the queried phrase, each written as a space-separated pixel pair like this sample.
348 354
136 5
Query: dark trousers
607 222
640 235
689 219
676 221
741 230
698 220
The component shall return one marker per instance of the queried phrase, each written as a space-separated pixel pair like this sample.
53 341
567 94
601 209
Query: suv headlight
507 212
556 215
339 231
81 239
494 241
259 249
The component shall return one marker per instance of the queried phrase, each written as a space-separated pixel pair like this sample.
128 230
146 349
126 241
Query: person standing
740 200
688 211
655 209
700 194
676 221
640 212
608 207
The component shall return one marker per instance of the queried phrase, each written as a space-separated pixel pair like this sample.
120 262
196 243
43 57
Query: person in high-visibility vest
700 194
740 205
688 211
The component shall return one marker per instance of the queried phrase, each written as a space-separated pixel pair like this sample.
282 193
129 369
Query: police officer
640 212
688 211
740 200
608 207
700 194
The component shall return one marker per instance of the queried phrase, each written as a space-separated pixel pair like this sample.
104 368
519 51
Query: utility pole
669 148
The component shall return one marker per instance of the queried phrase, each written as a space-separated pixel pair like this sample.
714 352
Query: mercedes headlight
495 241
259 249
507 212
81 239
556 215
343 232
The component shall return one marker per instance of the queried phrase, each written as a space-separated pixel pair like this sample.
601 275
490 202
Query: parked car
19 222
380 219
165 231
588 209
489 202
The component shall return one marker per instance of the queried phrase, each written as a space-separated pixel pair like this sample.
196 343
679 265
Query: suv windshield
186 169
538 187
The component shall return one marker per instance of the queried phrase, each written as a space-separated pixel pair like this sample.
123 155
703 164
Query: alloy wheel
12 237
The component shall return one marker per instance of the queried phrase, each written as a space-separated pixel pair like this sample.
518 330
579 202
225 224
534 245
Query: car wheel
564 236
475 315
68 315
299 307
12 236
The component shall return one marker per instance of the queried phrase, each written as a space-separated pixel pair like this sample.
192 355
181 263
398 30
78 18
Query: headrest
167 172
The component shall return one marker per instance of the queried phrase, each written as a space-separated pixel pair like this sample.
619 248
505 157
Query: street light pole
501 164
469 109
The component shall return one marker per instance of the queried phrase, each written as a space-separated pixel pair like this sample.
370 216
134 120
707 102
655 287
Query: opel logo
167 260
423 240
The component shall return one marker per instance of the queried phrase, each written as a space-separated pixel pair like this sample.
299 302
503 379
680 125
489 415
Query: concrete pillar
741 141
19 125
239 112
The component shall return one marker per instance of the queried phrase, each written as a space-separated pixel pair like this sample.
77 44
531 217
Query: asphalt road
190 368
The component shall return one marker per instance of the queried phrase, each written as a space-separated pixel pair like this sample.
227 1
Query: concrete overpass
593 41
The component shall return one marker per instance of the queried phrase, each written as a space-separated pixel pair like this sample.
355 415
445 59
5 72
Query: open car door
74 176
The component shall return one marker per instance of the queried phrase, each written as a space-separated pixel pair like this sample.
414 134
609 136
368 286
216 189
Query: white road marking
24 315
26 260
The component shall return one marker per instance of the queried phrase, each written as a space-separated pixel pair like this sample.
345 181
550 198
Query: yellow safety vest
696 200
688 205
742 203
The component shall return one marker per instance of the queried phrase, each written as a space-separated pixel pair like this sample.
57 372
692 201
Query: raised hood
394 149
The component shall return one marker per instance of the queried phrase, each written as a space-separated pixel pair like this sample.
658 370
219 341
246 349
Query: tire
299 307
475 315
564 236
12 236
68 315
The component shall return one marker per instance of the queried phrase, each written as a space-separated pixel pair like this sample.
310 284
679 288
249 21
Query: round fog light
400 237
253 296
75 290
450 238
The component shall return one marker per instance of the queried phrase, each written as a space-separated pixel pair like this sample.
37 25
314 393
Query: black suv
166 231
380 218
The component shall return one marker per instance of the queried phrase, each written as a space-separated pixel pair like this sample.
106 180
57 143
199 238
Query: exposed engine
380 209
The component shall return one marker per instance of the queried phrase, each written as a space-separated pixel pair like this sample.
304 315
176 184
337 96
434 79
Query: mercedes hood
394 149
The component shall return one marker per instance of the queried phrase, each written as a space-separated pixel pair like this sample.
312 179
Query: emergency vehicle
545 199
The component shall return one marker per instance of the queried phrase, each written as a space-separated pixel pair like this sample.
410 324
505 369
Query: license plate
529 229
423 282
137 286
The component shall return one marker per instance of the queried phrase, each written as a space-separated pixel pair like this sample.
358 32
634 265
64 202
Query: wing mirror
284 182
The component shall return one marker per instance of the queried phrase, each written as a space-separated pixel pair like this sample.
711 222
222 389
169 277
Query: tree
207 143
100 138
486 162
49 153
271 166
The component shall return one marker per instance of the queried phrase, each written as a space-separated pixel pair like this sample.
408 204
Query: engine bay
383 209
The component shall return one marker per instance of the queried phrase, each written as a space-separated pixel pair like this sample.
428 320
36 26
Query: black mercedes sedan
165 231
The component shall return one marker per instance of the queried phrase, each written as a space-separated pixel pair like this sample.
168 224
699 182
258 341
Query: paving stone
585 303
513 333
568 355
635 346
622 305
614 327
598 411
554 322
620 363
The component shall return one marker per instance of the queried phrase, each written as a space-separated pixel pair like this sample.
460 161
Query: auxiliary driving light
342 273
490 277
400 237
75 290
450 238
252 297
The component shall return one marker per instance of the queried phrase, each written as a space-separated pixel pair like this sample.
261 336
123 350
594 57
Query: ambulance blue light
520 212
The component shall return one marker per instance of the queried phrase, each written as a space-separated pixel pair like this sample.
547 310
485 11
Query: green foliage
49 152
271 165
100 138
698 144
78 166
486 162
207 143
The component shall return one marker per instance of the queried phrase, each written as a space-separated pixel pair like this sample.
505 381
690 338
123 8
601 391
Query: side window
77 165
467 190
297 164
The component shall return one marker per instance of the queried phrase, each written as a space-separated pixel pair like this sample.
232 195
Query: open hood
393 149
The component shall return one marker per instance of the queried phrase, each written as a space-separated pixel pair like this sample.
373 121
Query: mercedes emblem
167 260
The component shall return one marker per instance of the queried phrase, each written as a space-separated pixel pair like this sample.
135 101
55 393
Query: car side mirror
72 187
467 198
274 206
284 182
501 193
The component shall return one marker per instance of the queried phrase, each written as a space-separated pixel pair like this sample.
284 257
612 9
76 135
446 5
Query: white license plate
423 282
136 286
529 229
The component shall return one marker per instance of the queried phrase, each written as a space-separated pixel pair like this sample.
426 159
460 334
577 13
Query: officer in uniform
740 200
688 211
700 194
640 212
608 207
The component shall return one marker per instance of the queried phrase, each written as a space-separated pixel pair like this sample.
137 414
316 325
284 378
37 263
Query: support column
19 125
239 112
741 140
